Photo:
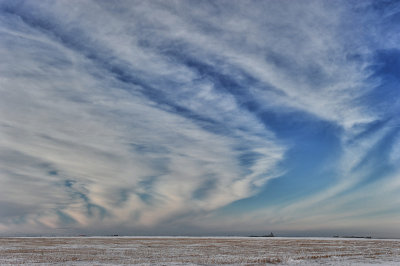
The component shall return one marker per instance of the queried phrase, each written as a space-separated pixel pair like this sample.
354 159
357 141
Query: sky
200 117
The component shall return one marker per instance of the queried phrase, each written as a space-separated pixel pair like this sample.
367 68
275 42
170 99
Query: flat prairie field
197 251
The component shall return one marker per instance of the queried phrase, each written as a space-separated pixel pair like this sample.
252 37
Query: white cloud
89 146
122 107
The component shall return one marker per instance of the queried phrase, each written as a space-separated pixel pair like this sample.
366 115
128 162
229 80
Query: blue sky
200 117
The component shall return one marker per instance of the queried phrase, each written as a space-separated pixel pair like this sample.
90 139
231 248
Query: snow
198 251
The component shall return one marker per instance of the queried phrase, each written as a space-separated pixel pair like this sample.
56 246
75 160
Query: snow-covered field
198 251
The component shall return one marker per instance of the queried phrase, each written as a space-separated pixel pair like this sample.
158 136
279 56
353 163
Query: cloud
93 136
135 114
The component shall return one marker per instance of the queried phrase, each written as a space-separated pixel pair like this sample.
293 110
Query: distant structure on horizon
367 237
270 235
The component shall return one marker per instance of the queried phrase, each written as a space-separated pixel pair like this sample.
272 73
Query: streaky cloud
151 116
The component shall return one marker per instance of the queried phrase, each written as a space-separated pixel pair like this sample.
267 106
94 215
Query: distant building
270 235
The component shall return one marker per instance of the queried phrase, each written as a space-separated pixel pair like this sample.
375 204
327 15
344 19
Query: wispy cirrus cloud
96 135
135 114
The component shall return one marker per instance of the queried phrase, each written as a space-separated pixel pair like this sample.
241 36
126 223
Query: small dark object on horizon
367 237
270 235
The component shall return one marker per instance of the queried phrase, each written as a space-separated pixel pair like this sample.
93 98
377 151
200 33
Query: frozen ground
198 251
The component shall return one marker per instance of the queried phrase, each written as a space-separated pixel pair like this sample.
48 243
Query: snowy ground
198 251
